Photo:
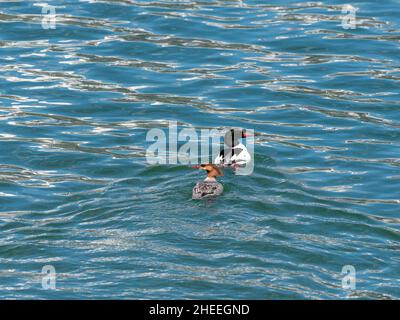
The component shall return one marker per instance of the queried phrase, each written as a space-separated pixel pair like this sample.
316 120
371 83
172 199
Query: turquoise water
77 193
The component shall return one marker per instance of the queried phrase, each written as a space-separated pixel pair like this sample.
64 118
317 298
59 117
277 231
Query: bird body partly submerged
234 153
210 187
206 188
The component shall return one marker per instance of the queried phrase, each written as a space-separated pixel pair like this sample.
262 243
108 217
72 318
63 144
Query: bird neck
238 145
212 174
233 144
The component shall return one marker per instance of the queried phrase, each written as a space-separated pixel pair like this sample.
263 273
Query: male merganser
235 153
209 187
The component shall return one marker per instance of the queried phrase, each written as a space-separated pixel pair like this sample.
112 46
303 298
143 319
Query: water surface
77 193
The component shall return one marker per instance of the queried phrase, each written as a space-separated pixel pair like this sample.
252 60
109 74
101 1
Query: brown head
212 170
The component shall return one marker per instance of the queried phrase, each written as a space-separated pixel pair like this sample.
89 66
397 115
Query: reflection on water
76 192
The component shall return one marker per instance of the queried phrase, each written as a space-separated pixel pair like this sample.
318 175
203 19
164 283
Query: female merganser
236 153
209 187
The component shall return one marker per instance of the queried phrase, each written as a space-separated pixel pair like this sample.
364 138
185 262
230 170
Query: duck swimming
210 187
234 153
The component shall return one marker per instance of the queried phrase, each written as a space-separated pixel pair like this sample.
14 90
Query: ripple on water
76 192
